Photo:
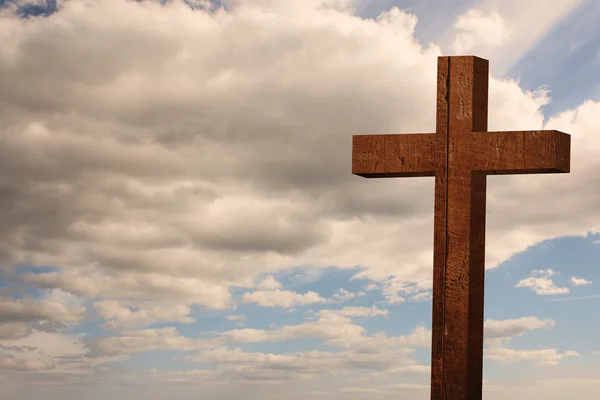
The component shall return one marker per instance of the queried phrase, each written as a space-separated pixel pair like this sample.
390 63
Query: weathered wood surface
460 155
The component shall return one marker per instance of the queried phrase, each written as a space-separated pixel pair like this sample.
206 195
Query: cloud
409 386
580 281
282 298
504 30
13 364
540 357
236 317
288 299
269 283
156 153
129 314
13 330
541 283
423 296
342 295
337 329
355 312
495 329
478 30
53 353
594 296
28 309
18 316
139 341
92 282
256 366
392 287
144 157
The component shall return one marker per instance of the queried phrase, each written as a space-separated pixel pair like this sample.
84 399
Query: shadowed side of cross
460 155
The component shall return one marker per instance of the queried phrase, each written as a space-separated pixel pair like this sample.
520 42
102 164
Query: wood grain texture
460 155
389 156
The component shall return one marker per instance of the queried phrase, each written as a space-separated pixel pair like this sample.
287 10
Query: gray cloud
155 153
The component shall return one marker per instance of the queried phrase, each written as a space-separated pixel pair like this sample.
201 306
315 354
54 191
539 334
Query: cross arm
520 152
388 156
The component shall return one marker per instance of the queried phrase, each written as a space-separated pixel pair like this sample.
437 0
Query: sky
179 217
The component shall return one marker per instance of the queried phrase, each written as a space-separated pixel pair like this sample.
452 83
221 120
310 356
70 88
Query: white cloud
540 357
504 30
495 329
371 286
236 363
50 353
282 298
391 287
288 299
342 295
541 283
423 296
269 283
355 312
29 309
596 296
128 314
139 341
206 150
337 329
580 281
478 30
18 316
92 282
186 180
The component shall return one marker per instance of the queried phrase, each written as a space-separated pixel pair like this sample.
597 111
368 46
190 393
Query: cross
460 154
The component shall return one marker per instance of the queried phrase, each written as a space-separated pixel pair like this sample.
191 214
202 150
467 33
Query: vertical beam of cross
460 155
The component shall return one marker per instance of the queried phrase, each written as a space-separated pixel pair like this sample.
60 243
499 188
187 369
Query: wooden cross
460 155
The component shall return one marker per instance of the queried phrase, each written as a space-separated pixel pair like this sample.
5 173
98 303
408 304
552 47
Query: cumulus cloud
541 283
504 30
128 314
94 282
19 316
580 281
288 298
495 329
159 155
282 298
479 30
337 329
139 341
540 357
154 170
28 309
343 295
269 283
53 353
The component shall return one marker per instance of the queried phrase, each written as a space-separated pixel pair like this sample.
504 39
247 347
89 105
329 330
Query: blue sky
180 217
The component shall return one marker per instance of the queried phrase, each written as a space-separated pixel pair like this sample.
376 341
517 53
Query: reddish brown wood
460 155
